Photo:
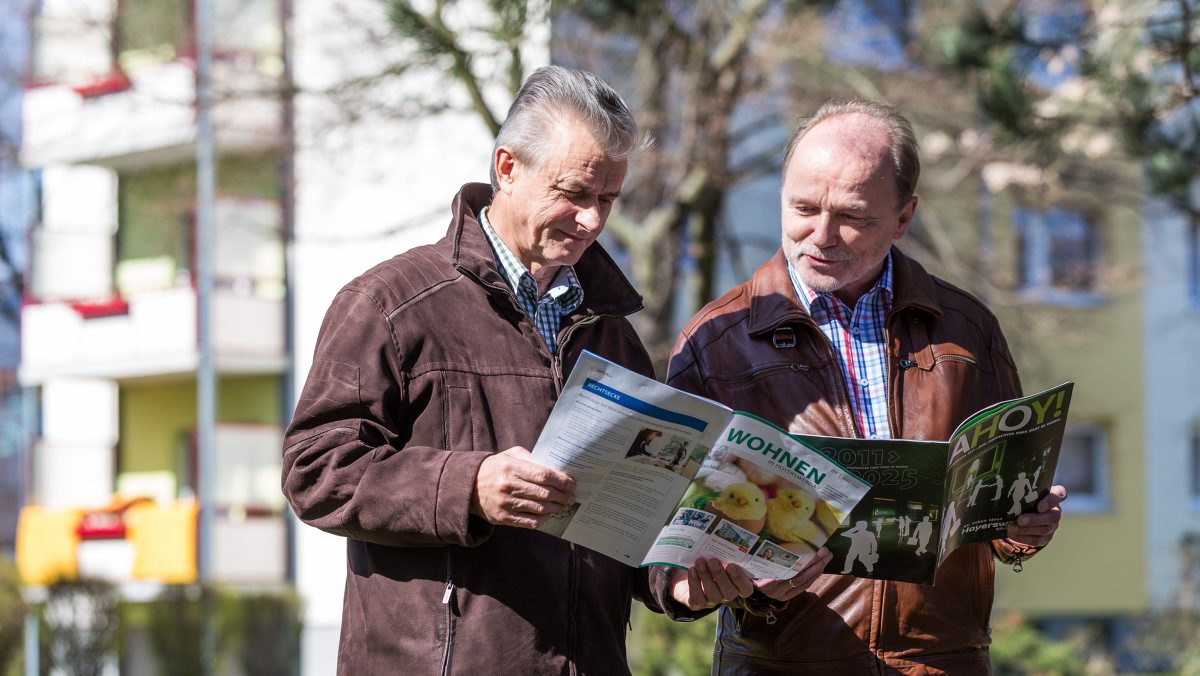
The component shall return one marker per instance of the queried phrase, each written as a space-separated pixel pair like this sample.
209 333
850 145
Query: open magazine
929 498
666 477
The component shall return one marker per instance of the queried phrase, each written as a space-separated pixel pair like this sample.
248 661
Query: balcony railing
152 121
150 334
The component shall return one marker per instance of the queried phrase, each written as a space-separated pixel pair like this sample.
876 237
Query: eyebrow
856 206
573 184
577 185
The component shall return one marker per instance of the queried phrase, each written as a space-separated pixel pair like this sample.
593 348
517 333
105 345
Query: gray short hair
906 156
553 93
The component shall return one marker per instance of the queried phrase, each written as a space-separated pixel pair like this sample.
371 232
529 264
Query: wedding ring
791 583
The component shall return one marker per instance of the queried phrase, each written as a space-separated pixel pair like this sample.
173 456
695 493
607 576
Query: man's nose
589 217
825 232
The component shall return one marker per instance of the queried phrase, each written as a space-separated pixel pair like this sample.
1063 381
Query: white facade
366 187
364 191
1172 406
100 320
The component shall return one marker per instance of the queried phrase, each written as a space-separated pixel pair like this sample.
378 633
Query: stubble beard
796 254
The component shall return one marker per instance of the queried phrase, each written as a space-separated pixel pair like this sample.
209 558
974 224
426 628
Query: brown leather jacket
425 364
947 360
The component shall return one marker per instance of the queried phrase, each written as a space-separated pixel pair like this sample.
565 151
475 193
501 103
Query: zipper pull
907 363
1020 553
449 591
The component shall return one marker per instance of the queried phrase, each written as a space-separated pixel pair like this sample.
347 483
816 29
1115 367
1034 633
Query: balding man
840 334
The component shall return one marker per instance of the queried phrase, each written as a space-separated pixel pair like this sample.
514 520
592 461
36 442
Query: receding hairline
903 149
851 119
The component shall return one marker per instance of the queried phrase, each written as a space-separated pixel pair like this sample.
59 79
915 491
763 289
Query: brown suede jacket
756 349
425 364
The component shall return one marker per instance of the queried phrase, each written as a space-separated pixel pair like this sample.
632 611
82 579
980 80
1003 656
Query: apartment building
109 336
311 191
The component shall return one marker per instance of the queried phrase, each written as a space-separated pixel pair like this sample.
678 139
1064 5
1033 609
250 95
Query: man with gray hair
434 373
840 334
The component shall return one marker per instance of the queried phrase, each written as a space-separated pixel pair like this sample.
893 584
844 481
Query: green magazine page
892 533
928 498
1002 464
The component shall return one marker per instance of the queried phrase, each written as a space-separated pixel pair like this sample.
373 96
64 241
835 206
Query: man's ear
906 217
505 164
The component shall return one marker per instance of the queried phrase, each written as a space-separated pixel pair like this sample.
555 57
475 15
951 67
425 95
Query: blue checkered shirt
860 342
564 296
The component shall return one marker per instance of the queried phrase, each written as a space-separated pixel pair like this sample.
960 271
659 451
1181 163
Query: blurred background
185 184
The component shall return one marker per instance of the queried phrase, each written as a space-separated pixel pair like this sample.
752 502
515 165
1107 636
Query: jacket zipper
573 579
893 418
572 609
450 603
563 336
556 362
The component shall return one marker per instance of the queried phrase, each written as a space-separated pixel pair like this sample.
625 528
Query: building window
1058 255
1083 468
1051 50
1194 489
873 33
1194 263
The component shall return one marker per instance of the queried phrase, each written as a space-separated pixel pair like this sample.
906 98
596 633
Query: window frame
1035 266
1101 500
1194 466
1193 254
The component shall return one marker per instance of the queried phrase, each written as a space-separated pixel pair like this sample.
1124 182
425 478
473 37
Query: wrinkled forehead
847 151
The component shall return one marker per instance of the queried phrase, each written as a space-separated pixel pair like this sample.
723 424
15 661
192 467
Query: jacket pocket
960 358
458 415
759 373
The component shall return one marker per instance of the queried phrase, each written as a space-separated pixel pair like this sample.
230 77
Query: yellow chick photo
742 503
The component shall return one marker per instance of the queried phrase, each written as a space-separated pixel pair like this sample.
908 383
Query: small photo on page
694 518
772 553
675 453
731 533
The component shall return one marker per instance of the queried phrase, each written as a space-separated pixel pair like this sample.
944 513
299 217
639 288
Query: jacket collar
605 289
773 301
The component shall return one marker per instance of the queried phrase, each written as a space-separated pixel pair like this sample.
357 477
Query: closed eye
857 220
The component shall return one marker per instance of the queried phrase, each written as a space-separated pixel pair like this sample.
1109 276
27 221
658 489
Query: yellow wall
157 419
1096 564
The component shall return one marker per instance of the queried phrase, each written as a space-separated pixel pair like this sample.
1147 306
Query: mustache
814 252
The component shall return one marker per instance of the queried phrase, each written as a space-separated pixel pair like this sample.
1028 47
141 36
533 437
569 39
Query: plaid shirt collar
858 337
564 296
822 306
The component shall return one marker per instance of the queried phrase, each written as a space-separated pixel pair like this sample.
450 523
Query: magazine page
892 533
632 445
763 499
1002 462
